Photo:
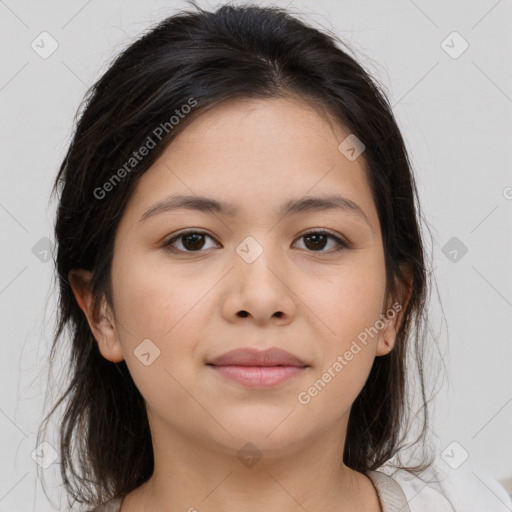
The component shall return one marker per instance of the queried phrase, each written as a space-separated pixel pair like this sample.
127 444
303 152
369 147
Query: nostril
243 313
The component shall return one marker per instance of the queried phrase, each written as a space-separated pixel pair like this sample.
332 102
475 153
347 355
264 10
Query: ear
393 315
101 323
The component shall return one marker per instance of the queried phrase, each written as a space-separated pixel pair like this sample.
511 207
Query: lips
254 357
258 369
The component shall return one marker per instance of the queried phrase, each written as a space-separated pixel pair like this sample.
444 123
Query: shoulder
440 488
114 505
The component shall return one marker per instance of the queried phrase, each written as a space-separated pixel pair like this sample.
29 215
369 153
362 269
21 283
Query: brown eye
316 241
191 241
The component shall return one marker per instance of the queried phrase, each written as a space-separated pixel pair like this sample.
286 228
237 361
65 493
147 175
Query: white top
464 489
460 490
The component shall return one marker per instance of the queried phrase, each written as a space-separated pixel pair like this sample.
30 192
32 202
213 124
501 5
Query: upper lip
256 357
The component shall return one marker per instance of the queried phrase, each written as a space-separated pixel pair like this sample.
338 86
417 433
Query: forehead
256 155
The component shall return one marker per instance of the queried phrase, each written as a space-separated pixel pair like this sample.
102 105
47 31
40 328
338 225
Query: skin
298 296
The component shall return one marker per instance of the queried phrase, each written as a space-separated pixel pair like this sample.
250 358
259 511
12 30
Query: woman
241 267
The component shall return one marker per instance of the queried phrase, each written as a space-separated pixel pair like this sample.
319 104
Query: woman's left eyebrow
291 207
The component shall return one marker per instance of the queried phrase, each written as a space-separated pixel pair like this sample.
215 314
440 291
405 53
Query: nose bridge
251 250
259 289
257 260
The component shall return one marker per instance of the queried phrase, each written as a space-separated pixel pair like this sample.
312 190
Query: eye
192 241
318 240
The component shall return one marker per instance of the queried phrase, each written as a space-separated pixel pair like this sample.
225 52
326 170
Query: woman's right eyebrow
291 207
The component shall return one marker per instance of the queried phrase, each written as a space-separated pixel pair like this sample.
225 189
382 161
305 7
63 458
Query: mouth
258 369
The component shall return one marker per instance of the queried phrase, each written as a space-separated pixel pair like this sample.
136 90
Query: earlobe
101 323
387 337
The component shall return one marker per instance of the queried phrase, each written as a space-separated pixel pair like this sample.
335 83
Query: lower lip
259 376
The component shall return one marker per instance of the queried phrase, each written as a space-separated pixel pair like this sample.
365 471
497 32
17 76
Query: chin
270 434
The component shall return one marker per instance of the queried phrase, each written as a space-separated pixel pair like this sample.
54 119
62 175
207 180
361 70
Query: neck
308 475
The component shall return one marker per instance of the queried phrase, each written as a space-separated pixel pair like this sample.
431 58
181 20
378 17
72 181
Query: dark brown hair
203 58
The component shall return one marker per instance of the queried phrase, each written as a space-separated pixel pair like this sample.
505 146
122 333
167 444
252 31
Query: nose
259 291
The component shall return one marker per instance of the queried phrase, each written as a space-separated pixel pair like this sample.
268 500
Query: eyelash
341 245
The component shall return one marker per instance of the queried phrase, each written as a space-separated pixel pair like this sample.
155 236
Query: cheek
164 306
160 308
153 302
349 302
349 307
332 393
348 354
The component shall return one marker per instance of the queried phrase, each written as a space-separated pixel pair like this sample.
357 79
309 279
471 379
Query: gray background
455 112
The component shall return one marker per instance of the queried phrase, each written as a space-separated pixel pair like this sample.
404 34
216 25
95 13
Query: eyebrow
292 207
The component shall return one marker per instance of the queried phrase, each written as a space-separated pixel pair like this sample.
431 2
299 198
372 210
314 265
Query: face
310 281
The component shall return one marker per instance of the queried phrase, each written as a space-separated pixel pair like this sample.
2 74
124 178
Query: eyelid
325 231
